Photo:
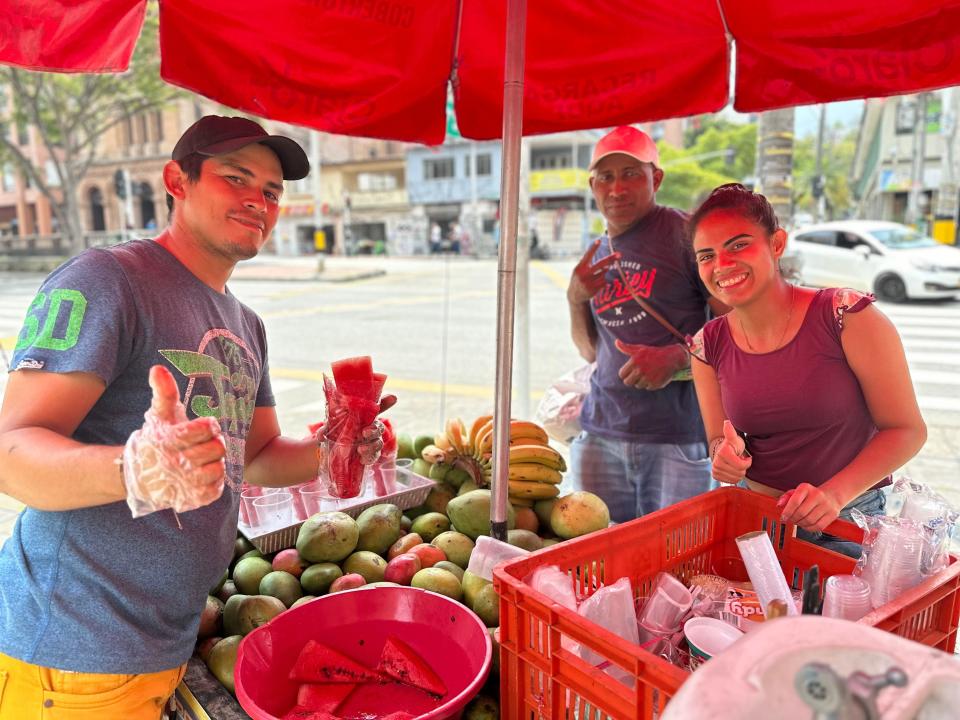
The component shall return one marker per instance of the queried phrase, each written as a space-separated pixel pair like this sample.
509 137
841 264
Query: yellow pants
33 692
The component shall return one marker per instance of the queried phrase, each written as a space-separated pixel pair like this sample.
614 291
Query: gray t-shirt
95 590
660 268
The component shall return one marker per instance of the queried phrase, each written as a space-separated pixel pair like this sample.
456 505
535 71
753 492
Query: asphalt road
430 325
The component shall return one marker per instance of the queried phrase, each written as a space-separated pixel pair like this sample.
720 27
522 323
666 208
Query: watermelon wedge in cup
353 403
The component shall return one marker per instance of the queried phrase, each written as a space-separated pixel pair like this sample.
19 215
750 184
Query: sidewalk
318 268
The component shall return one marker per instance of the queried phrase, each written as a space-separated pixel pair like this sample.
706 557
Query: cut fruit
354 376
318 663
323 696
399 661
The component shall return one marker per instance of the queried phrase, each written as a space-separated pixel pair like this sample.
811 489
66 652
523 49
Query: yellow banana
442 441
542 454
479 424
527 429
535 472
521 501
453 432
533 490
433 454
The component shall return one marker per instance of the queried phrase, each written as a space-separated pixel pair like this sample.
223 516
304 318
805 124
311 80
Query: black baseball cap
215 134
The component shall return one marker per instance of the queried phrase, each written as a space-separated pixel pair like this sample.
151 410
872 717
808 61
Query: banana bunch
459 455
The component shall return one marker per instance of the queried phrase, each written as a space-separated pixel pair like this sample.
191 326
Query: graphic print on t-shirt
224 376
614 303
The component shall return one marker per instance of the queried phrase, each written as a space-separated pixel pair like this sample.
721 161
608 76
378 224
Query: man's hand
588 276
812 508
172 462
650 367
730 462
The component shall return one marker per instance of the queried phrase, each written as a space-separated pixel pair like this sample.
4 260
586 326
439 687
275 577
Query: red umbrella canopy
381 68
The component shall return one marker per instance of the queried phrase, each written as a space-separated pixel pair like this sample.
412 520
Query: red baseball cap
628 141
215 135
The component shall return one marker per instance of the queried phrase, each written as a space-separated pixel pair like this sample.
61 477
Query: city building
909 142
445 195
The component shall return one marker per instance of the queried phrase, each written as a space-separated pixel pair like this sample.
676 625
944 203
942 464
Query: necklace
793 289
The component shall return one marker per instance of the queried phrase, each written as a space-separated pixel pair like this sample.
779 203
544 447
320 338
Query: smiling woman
816 381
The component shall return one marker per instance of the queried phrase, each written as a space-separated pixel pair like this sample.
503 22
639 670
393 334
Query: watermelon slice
399 661
354 376
318 663
321 696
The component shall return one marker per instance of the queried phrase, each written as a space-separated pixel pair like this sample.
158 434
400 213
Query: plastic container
541 678
443 632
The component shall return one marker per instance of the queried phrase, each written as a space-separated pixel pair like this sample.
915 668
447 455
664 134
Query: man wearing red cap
642 446
139 401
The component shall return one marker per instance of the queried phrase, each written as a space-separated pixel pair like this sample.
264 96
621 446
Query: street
430 324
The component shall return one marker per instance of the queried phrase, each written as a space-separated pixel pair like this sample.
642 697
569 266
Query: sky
807 117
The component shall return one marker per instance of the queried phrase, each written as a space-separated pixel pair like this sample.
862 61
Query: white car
892 261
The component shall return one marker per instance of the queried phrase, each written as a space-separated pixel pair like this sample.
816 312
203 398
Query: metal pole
521 348
919 151
821 198
127 205
474 225
506 278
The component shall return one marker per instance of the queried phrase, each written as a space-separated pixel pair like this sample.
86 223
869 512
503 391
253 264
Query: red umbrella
381 68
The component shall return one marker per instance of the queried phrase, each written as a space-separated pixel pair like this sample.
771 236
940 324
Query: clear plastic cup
385 475
669 601
248 514
274 511
846 597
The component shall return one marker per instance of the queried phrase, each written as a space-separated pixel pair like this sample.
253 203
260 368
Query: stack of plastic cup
893 566
921 508
764 570
248 514
846 597
274 511
669 601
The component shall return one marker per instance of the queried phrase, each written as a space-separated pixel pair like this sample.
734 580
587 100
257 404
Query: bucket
448 636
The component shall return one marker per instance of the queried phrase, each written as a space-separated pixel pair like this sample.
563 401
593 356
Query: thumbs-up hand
730 460
172 462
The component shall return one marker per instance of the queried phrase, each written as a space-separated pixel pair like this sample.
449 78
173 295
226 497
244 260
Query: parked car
893 261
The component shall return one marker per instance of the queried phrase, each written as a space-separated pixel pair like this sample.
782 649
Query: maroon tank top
800 406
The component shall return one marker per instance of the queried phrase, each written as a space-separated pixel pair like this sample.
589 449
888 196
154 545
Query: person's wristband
714 445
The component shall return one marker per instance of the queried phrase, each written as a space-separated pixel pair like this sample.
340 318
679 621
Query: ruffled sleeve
847 300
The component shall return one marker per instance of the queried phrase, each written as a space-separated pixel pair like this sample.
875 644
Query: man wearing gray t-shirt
642 446
99 609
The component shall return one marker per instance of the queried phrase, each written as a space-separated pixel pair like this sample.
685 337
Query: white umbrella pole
507 266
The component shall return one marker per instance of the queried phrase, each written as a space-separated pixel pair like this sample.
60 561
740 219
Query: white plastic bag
559 409
612 607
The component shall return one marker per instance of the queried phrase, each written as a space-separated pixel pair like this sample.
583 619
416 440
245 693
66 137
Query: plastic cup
248 513
299 510
385 475
313 498
846 597
669 601
274 511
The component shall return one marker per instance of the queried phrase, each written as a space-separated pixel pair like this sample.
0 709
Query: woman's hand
730 459
812 508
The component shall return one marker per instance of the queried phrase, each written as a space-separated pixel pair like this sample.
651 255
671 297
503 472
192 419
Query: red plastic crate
539 678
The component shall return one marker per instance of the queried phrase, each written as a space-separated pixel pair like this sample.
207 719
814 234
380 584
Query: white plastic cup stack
764 570
921 508
846 597
669 601
893 566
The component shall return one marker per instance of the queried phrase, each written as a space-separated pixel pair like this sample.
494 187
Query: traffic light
120 184
816 186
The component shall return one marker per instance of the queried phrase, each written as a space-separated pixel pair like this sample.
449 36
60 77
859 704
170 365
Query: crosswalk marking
913 344
934 377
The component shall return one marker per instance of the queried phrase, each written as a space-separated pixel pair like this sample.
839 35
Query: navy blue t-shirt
94 589
661 269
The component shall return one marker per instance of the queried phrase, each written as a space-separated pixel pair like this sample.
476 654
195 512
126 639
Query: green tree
838 150
719 152
71 112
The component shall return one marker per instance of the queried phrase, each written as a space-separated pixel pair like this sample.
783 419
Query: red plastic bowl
443 632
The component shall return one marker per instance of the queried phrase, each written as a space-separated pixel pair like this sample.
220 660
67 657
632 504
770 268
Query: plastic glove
171 462
731 460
